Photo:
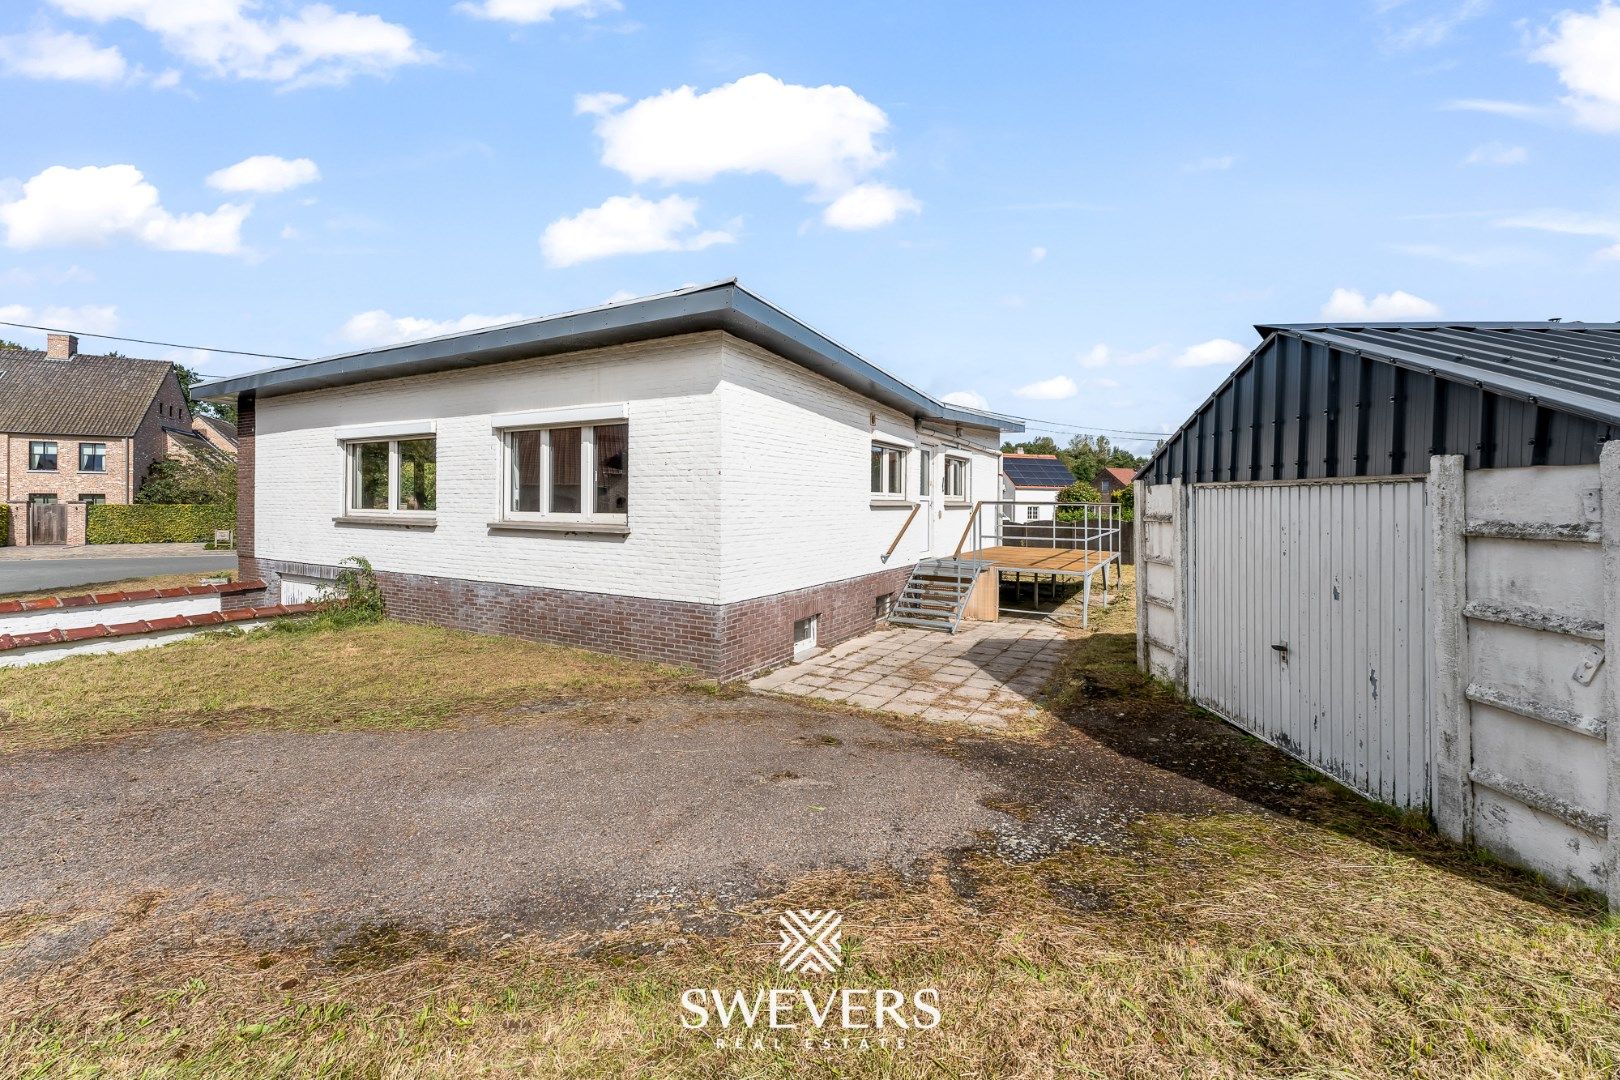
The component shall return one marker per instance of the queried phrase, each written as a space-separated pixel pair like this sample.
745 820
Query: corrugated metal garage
1393 550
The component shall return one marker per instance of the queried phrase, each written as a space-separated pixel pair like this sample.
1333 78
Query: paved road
29 575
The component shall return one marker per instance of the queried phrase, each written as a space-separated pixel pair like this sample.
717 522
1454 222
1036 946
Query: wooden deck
1042 560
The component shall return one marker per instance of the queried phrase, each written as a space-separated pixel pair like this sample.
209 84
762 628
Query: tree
1043 445
200 477
188 378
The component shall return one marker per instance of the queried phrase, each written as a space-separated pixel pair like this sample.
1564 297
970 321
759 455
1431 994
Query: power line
1081 429
143 341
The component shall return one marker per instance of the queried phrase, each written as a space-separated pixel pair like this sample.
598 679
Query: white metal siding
1336 571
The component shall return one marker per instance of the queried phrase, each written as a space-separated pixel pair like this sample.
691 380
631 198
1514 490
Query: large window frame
41 451
100 450
585 424
888 476
956 484
354 448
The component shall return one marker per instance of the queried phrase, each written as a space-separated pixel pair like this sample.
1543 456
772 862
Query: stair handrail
973 519
899 535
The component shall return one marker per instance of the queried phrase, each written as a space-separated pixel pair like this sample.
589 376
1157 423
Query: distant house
1032 482
78 429
220 434
1110 480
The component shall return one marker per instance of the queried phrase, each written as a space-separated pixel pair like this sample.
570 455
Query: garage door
1307 624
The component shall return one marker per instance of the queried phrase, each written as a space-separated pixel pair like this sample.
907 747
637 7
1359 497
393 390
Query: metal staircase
936 594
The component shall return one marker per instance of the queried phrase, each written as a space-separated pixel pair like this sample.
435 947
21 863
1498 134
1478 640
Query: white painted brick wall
796 479
671 552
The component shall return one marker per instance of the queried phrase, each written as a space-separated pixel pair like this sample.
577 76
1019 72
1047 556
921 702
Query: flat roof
723 305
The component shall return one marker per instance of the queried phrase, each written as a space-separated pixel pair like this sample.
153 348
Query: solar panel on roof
1037 472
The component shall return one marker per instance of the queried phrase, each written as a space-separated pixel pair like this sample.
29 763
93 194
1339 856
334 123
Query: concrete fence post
1180 495
1139 544
1609 482
1451 737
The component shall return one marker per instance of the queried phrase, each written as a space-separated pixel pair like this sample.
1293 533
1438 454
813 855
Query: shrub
353 598
154 523
5 525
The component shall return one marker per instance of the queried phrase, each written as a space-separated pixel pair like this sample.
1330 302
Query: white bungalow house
694 477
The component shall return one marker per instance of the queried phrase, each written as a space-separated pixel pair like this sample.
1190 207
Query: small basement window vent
804 637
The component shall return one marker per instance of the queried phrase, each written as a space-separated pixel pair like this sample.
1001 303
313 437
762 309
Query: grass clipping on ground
379 675
1231 946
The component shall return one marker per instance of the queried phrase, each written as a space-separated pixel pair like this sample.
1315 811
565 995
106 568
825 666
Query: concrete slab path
987 675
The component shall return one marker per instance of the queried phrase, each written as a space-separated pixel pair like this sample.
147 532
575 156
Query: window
92 500
883 606
804 637
888 471
92 457
1032 513
569 472
925 473
393 475
41 500
41 457
956 478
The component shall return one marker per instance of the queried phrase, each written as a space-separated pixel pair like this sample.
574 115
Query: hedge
5 524
155 523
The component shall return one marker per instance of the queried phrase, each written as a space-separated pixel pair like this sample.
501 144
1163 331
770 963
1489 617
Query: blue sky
1074 212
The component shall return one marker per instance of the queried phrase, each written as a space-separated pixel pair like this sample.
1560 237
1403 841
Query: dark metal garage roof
724 305
1574 367
1321 400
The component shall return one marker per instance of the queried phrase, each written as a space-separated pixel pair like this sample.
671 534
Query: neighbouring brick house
694 477
1112 479
78 429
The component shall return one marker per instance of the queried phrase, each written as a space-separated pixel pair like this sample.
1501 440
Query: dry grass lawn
1338 942
387 674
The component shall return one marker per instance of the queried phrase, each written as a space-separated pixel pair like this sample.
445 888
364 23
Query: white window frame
1032 512
586 420
884 447
351 451
925 472
967 479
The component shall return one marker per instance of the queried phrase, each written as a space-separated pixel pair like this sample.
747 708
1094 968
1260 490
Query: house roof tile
88 395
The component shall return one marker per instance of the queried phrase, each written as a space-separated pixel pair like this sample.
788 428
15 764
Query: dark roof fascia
723 306
1270 335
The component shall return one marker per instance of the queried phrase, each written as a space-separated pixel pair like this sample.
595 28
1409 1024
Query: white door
928 493
1307 624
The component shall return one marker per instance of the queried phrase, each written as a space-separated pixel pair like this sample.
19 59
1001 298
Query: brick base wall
725 641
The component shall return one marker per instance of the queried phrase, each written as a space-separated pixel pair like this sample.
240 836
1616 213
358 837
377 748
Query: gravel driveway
560 820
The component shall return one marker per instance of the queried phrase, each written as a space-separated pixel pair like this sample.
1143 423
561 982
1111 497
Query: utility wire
143 341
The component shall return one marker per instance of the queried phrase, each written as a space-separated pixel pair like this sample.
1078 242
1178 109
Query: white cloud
1210 353
621 296
1584 48
265 174
968 399
1101 355
1056 388
373 328
1516 110
312 44
869 206
821 136
88 319
627 225
1037 254
1495 153
44 54
1219 163
1569 223
72 275
824 138
95 204
1352 306
534 11
1432 26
